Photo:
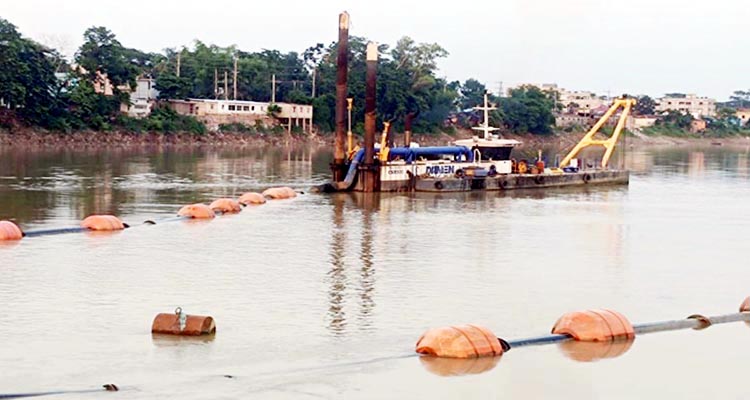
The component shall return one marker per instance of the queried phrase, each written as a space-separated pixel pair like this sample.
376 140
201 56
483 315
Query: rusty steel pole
370 170
342 70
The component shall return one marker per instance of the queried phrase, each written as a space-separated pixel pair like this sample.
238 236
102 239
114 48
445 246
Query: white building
698 107
216 112
143 97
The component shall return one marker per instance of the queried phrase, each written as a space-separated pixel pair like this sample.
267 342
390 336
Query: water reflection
366 205
39 185
456 366
594 351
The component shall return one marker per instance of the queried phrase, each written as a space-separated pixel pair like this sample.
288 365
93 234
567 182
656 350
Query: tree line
41 88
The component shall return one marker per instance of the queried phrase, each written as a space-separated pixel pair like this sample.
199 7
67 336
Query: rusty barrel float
608 328
182 324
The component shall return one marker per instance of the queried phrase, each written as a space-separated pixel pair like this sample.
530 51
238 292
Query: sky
610 47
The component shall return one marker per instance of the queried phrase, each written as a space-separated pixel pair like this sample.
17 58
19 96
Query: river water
324 296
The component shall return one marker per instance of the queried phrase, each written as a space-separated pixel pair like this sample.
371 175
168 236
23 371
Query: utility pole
273 89
315 72
226 85
178 64
234 78
216 83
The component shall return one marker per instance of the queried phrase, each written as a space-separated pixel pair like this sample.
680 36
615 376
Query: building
216 112
637 122
744 115
583 102
143 98
698 107
573 120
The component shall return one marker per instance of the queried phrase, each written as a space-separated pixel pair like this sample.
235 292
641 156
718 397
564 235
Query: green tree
472 94
28 85
741 98
171 86
102 52
528 109
645 105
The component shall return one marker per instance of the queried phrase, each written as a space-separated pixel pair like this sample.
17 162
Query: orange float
197 211
745 306
226 206
594 326
103 223
463 341
280 193
252 198
10 231
182 324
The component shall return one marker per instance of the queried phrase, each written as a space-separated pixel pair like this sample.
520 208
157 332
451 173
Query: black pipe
105 388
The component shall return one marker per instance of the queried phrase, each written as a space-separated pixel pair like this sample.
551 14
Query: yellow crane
609 144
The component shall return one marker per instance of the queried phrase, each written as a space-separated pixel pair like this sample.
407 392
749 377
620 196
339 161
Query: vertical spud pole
342 69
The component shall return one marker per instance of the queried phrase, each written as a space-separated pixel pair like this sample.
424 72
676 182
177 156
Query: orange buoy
593 351
103 223
745 306
182 324
594 326
226 206
463 341
252 198
197 211
280 193
10 231
456 366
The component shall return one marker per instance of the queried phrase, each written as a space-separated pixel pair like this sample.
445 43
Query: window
253 108
212 106
246 108
222 106
231 107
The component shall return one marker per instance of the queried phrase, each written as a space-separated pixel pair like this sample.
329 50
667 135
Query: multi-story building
696 106
143 97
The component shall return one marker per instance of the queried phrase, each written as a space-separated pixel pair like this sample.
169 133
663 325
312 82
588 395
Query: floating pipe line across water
602 326
10 231
105 388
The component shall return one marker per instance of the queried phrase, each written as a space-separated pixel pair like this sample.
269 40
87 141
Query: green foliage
528 109
168 121
102 52
27 81
644 105
675 119
273 110
237 127
472 94
171 86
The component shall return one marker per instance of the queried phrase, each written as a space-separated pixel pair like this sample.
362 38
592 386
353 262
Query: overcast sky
634 46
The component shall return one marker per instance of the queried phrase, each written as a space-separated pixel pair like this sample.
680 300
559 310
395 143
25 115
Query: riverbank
29 137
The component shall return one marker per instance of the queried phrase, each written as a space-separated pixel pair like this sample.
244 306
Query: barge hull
517 181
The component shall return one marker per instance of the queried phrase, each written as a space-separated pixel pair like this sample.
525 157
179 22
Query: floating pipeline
10 231
609 333
105 388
